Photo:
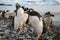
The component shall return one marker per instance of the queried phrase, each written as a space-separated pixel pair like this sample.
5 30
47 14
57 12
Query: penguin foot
24 25
37 36
49 29
20 28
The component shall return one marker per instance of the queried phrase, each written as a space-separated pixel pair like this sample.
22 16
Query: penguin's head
49 14
7 10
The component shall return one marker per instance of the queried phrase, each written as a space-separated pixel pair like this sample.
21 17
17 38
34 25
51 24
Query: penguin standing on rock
36 22
20 19
48 20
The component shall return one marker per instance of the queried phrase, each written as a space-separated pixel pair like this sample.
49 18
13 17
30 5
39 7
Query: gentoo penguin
20 19
48 20
36 22
9 14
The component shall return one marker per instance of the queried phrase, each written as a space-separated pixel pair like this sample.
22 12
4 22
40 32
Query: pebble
28 34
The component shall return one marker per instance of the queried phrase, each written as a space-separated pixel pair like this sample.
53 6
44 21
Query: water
42 9
11 8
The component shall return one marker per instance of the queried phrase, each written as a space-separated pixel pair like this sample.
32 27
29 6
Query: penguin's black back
34 13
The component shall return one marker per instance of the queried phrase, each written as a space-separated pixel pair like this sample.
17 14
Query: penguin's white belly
21 18
36 24
16 23
19 21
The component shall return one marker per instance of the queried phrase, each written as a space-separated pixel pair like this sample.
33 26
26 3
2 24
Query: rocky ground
8 33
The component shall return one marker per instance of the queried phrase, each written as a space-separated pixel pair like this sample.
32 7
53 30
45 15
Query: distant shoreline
5 4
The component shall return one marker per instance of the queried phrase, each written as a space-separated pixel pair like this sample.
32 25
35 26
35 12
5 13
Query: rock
7 32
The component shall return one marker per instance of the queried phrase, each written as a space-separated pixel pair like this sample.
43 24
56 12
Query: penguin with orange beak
20 19
35 20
